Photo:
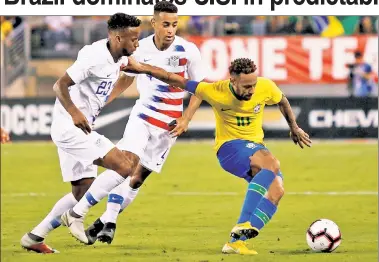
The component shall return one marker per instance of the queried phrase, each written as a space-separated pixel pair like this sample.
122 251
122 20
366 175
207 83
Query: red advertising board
289 59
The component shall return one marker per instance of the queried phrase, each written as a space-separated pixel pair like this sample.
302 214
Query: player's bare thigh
122 162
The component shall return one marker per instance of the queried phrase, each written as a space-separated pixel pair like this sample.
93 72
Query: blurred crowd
58 31
63 36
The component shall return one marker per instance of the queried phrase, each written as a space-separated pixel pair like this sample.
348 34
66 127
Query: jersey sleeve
275 94
196 69
136 55
80 69
202 90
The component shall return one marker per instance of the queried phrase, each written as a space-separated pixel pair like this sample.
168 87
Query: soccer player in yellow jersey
238 105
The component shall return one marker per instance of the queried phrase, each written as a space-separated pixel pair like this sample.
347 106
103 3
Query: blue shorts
234 157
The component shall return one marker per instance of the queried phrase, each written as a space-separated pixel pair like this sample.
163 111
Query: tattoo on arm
287 112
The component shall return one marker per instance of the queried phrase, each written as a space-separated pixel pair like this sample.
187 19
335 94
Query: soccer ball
323 235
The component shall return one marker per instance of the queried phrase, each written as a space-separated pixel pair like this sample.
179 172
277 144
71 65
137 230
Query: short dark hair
121 21
165 7
357 54
242 66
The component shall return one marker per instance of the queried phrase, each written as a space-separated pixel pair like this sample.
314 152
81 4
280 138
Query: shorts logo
257 108
251 145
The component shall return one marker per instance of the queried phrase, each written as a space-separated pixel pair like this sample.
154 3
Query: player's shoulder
184 45
218 86
146 42
265 82
93 54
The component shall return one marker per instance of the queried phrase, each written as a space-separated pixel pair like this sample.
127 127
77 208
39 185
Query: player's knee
124 169
136 182
272 164
127 164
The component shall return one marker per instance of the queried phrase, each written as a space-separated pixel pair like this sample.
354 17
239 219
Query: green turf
163 226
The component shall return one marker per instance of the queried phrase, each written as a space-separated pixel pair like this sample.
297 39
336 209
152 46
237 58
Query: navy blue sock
263 213
256 190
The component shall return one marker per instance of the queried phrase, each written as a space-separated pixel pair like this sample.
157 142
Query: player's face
165 26
127 40
244 85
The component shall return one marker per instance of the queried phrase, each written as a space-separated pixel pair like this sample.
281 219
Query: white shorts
77 151
151 144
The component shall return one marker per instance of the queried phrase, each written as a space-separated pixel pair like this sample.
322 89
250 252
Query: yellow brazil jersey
238 119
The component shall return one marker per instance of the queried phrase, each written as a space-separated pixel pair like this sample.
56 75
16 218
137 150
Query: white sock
99 189
53 219
122 192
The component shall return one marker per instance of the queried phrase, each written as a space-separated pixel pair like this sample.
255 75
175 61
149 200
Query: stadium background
306 56
186 213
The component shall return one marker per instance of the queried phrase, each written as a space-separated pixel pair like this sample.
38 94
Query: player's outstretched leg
268 205
123 165
269 168
104 227
34 240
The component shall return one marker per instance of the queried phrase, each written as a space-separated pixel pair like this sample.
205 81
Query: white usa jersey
94 73
160 103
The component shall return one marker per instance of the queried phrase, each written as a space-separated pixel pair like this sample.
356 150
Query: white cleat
36 246
75 225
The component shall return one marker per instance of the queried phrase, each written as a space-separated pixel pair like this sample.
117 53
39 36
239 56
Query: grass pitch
187 212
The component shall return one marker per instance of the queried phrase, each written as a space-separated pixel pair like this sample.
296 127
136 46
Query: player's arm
297 134
123 83
276 96
158 73
61 88
183 122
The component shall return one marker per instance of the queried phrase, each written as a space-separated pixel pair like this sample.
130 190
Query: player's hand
299 137
133 66
80 121
181 126
4 136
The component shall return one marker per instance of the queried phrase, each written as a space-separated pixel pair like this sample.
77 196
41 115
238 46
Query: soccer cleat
75 225
238 247
244 229
93 230
106 235
37 246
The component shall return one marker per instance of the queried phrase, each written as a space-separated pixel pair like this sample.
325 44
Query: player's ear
153 22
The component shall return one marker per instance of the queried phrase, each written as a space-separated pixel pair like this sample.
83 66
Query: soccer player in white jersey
81 94
147 133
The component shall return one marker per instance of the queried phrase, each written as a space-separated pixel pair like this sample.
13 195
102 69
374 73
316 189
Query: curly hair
242 66
165 7
121 21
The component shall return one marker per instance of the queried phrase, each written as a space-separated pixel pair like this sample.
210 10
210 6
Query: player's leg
156 144
268 169
123 165
118 199
120 165
234 157
34 240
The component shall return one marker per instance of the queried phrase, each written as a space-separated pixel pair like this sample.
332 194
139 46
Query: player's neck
234 92
160 45
113 52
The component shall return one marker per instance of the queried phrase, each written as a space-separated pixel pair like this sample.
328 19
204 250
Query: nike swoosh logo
146 60
223 110
110 118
